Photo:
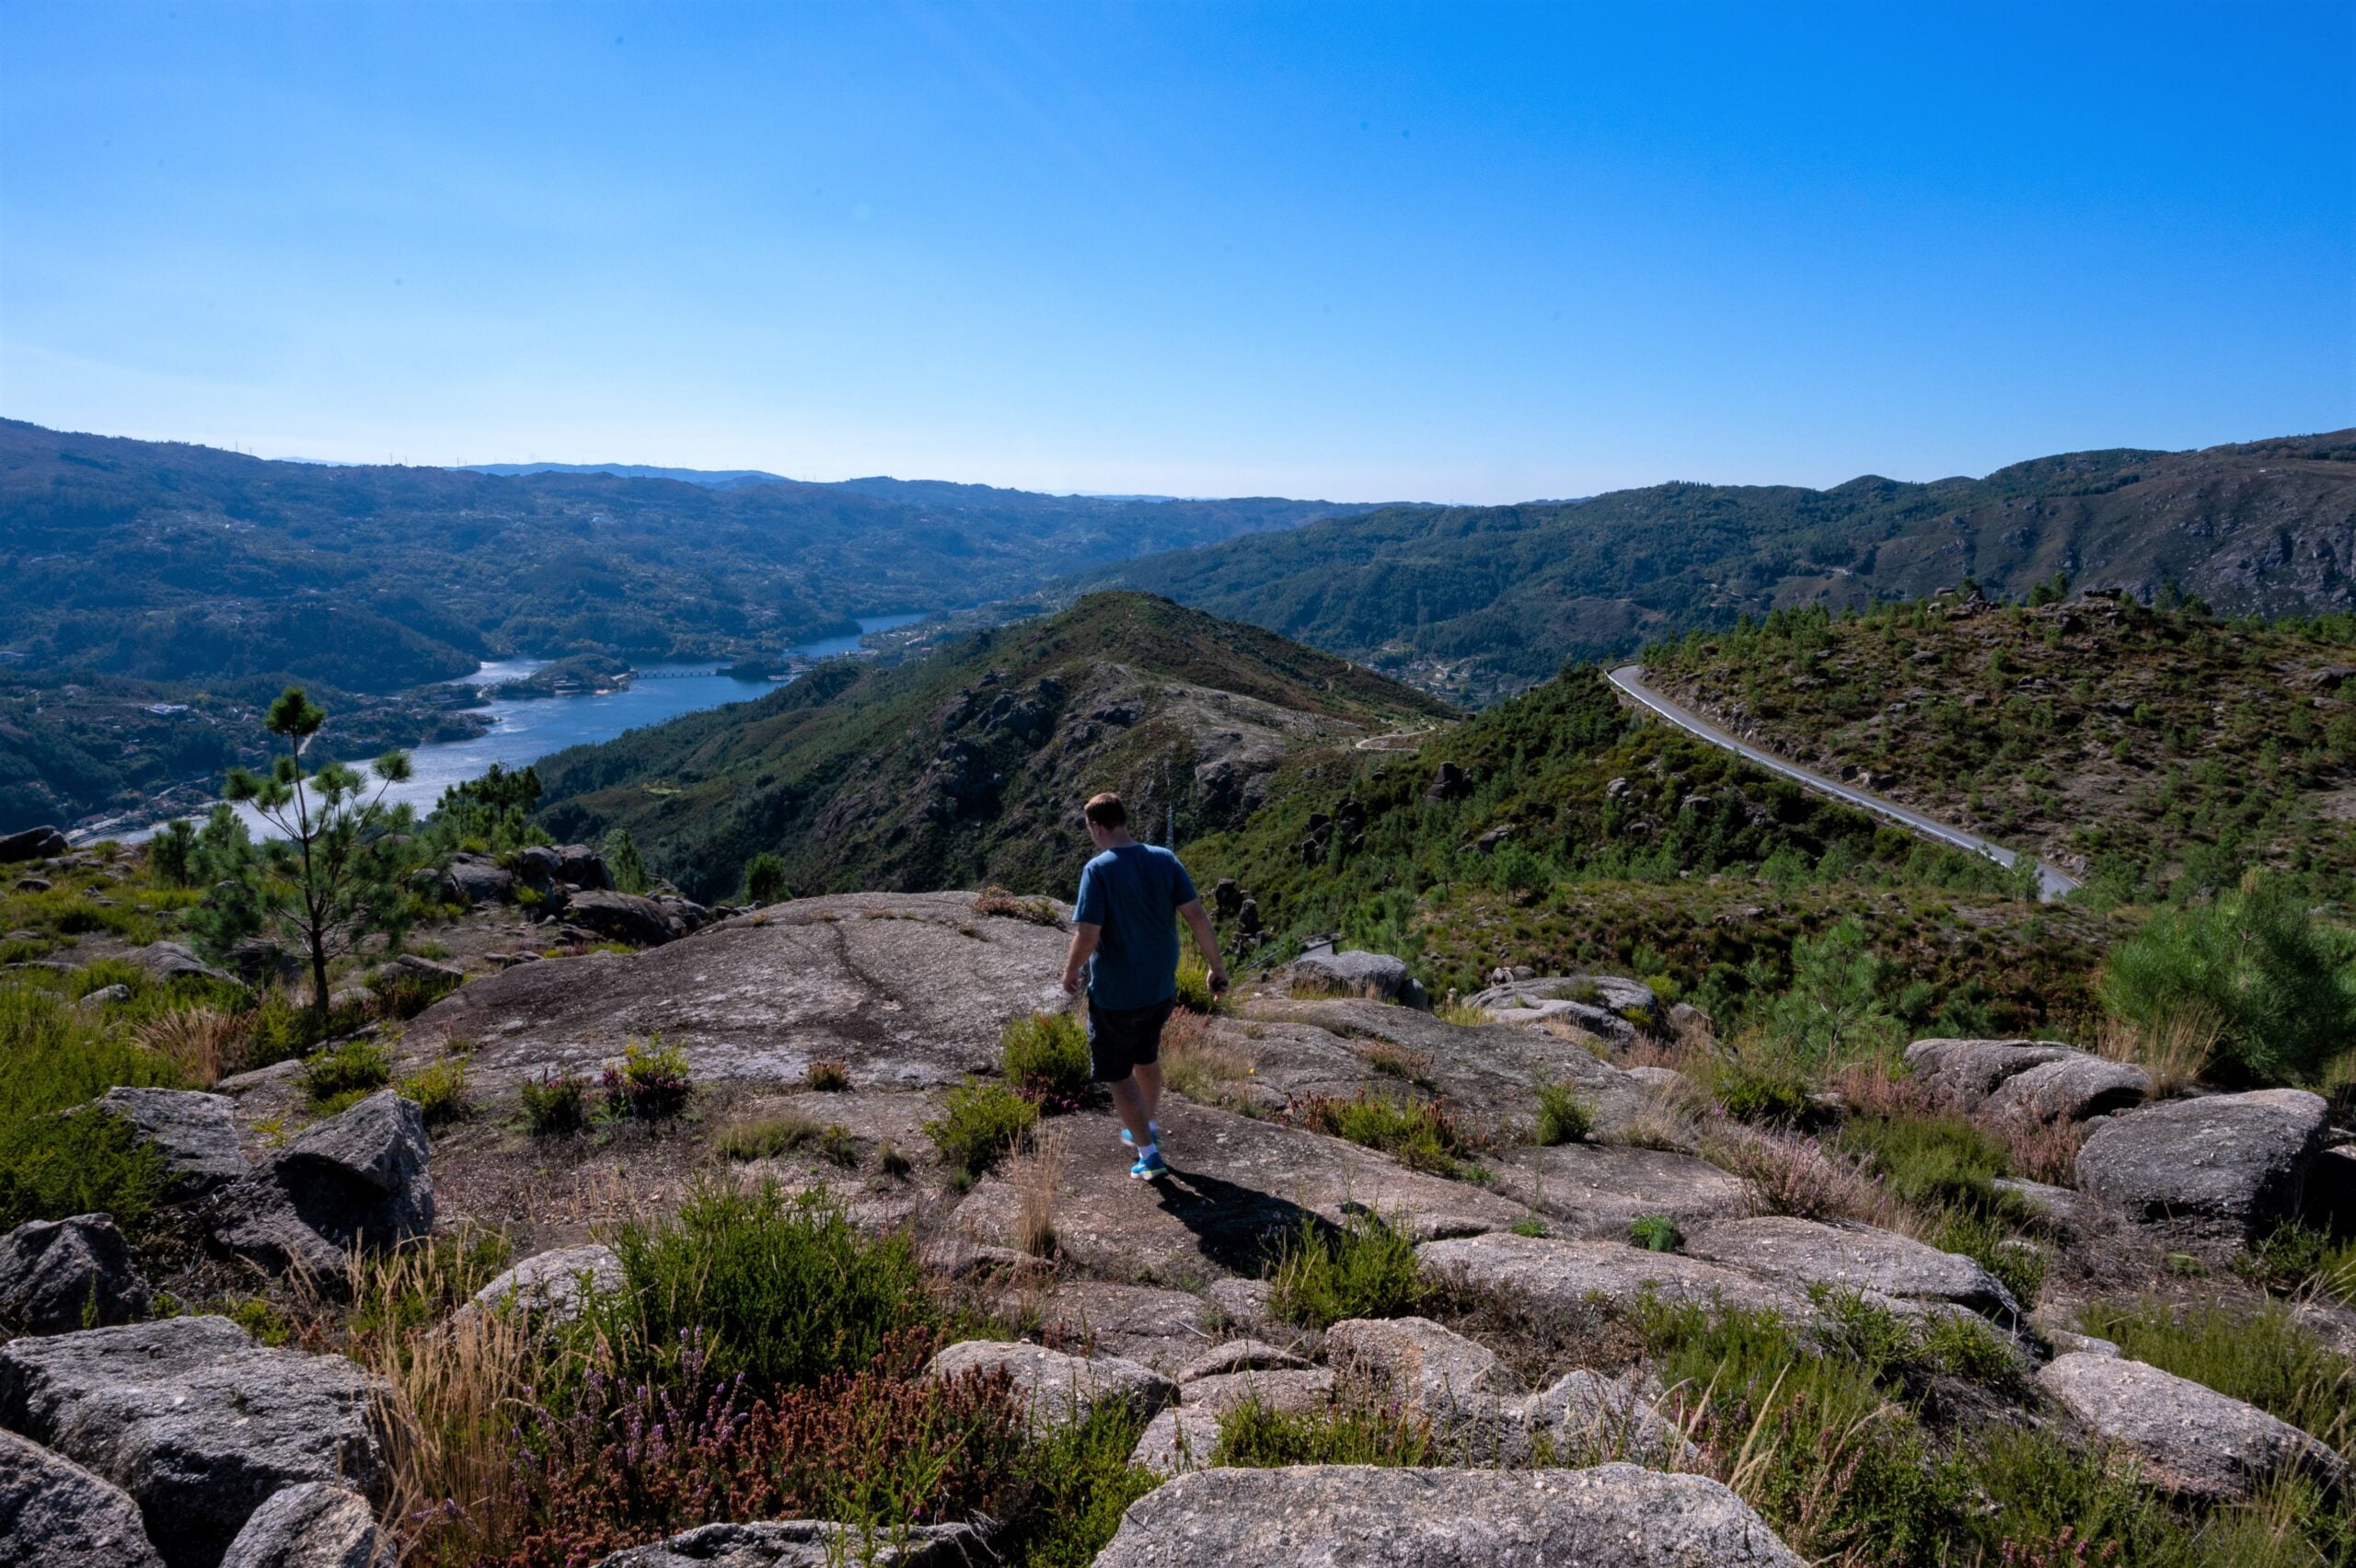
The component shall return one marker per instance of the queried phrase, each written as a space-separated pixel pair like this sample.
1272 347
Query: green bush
439 1091
1418 1133
649 1084
979 1122
356 1067
765 879
1931 1161
764 1138
782 1291
1363 1269
1044 1057
1252 1436
1563 1116
1654 1233
557 1104
2018 1263
624 863
1078 1481
2257 964
1759 1084
54 1057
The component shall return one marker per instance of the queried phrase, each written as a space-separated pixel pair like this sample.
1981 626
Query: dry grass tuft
1789 1175
2175 1050
997 900
1204 1070
1878 1088
2043 1151
1036 1173
201 1044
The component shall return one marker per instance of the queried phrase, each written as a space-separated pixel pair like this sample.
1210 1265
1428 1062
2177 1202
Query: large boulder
1588 1418
1597 1190
313 1525
57 1275
1960 1074
54 1514
2187 1439
2076 1088
625 917
1415 1361
2223 1165
1610 1516
806 1543
32 844
359 1179
196 1133
1606 1006
200 1424
583 867
1567 1275
472 879
1849 1256
161 961
1055 1387
1379 976
555 1285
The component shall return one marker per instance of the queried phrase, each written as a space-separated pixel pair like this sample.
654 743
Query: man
1122 931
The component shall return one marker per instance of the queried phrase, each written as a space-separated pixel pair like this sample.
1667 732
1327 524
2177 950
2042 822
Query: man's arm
1084 938
1198 921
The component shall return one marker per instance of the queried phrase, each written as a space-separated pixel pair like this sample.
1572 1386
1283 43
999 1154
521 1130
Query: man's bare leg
1129 1104
1148 1077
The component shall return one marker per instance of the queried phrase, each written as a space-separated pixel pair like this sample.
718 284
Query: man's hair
1107 810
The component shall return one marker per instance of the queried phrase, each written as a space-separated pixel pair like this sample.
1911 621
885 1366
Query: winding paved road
1630 678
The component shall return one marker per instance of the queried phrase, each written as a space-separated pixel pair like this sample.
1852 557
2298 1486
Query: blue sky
1447 252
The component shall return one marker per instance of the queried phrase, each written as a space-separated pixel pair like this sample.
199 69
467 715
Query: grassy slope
846 773
1631 846
1477 599
2132 746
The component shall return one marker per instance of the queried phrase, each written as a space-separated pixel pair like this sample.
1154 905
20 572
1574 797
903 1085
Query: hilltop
2135 747
968 765
1471 601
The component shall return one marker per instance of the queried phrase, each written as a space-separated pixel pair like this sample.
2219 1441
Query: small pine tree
765 878
623 860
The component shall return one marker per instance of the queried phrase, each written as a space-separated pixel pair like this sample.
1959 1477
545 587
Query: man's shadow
1242 1229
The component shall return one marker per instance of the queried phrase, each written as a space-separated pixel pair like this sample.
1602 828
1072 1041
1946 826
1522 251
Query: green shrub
2018 1263
1363 1269
1930 1161
1044 1057
1252 1436
439 1091
2258 1355
1563 1116
2294 1257
783 1291
1418 1133
53 1057
1758 1083
827 1077
624 863
355 1068
980 1122
2258 965
649 1084
764 1138
557 1104
1077 1482
405 992
1654 1233
765 879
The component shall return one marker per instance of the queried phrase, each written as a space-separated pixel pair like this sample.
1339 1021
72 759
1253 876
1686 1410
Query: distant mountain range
1475 601
969 766
715 478
163 562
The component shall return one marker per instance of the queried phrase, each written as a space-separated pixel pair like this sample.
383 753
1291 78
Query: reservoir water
524 730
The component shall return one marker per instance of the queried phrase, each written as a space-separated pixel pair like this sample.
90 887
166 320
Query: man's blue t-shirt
1133 893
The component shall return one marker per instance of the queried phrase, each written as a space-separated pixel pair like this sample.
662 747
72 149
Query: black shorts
1120 1040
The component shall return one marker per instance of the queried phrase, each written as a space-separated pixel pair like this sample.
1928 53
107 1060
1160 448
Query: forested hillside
165 561
2149 751
970 766
1474 601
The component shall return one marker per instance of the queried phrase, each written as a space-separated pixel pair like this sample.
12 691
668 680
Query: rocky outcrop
1056 1387
475 879
2188 1439
1597 1190
1850 1256
162 962
32 844
1565 1275
196 1133
554 1285
1239 1356
1416 1362
195 1421
1374 975
625 917
2034 1081
1588 1418
1610 1516
54 1514
2223 1166
57 1275
359 1179
1606 1006
902 993
313 1525
805 1544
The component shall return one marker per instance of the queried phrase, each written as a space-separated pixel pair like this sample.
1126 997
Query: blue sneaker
1148 1166
1152 1127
